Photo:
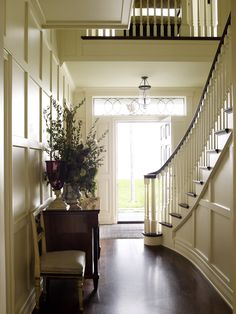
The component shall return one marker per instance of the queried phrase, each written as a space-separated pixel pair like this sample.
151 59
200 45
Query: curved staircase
187 207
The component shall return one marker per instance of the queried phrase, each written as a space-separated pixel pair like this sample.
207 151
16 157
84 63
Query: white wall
34 76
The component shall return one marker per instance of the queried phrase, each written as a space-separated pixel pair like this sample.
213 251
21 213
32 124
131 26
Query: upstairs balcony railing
167 19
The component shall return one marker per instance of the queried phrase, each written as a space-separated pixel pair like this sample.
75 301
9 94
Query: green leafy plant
83 158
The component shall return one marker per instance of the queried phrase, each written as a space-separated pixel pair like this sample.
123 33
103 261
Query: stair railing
167 19
167 189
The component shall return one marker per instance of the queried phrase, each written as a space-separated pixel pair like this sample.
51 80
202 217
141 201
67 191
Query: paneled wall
33 77
2 216
207 237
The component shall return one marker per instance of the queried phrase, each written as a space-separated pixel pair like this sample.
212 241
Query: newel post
151 234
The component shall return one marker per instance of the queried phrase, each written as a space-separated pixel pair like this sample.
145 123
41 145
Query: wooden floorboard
135 279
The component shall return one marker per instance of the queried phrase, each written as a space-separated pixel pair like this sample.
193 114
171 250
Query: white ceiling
115 14
85 13
128 74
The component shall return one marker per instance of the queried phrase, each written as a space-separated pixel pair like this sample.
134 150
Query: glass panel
133 161
131 106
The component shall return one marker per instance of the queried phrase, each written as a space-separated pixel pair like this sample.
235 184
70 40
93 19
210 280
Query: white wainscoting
33 76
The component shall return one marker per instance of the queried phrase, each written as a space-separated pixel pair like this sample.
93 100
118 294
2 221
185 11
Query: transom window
123 106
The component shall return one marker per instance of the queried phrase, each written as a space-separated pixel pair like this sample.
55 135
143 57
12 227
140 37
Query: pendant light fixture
144 90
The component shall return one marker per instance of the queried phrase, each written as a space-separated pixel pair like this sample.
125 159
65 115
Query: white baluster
146 206
148 22
153 224
184 28
175 18
162 23
198 19
134 21
141 19
159 187
155 20
168 19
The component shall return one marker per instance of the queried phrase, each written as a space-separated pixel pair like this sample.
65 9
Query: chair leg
37 291
80 290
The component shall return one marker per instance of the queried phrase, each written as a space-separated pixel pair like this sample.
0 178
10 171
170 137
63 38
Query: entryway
138 152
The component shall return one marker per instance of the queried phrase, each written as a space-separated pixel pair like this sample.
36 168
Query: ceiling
128 74
115 14
85 13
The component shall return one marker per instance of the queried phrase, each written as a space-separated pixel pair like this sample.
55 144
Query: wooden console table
75 230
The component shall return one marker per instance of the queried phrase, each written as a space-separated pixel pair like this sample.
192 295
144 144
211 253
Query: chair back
38 231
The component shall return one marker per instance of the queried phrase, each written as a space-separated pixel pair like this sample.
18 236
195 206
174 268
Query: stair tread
192 194
215 150
184 205
176 215
152 234
223 131
205 167
166 224
198 182
228 110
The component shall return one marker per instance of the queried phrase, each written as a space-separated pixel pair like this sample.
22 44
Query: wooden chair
56 264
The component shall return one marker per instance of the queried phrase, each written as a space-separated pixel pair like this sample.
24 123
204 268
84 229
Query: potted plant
65 143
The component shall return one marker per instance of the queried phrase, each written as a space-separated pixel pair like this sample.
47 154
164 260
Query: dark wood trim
176 215
192 194
166 224
198 182
130 222
228 110
223 131
150 38
205 168
152 235
184 205
213 151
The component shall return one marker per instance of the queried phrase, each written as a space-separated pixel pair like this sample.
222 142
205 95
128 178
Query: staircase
177 206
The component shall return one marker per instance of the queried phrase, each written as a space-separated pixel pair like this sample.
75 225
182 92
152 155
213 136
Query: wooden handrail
155 173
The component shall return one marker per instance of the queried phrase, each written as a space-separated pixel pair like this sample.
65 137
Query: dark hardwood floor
135 279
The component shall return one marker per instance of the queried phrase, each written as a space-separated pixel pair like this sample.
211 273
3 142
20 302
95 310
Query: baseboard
207 270
29 305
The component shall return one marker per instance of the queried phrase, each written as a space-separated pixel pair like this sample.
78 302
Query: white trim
10 283
219 209
29 305
3 291
216 279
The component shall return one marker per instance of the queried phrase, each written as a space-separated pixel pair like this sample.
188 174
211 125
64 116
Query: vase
56 172
71 196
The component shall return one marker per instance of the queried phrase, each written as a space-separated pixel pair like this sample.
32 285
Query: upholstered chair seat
63 262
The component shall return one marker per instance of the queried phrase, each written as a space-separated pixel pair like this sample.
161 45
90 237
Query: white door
138 153
106 174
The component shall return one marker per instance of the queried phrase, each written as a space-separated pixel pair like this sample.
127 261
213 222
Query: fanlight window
122 106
